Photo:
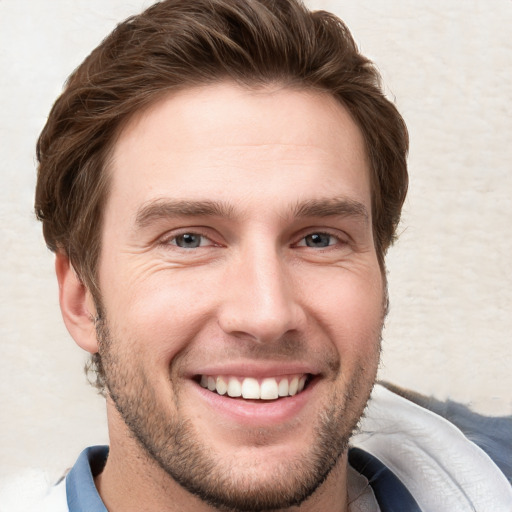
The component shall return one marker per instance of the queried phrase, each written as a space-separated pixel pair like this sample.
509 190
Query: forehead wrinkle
168 208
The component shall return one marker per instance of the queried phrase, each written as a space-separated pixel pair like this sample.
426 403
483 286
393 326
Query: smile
250 388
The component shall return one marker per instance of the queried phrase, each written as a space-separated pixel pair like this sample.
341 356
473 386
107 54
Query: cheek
351 307
158 315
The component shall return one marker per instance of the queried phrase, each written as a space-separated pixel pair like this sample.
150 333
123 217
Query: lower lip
257 412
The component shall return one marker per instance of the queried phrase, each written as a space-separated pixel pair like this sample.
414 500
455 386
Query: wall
448 67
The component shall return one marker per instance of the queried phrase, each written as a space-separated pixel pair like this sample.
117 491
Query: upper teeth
249 387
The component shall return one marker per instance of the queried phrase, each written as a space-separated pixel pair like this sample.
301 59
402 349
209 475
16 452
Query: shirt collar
82 495
81 492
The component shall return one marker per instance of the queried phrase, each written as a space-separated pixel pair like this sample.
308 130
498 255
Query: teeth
269 389
283 387
234 387
251 388
222 386
292 389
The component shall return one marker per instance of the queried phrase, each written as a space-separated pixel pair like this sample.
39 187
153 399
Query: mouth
251 388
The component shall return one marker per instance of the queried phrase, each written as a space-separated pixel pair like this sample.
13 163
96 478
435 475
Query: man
220 182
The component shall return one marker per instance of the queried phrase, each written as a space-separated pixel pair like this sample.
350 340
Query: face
242 296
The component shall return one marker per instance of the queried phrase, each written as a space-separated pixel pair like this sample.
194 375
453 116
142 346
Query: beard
178 446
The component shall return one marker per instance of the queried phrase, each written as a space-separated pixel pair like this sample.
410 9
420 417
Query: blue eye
189 240
319 240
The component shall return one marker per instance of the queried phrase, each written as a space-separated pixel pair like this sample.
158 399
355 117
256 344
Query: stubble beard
176 446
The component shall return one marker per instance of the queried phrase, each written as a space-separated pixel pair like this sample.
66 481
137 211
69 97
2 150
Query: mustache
290 347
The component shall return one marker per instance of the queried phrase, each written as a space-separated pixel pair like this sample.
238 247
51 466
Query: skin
254 174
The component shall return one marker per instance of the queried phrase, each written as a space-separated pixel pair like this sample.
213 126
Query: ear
76 305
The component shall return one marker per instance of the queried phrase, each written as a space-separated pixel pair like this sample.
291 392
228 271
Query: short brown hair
176 44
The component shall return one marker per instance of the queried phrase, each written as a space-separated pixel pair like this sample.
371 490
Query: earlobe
76 305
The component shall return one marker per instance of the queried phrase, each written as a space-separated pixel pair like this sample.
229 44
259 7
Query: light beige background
447 64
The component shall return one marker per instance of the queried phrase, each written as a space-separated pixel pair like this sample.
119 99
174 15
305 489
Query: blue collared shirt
82 495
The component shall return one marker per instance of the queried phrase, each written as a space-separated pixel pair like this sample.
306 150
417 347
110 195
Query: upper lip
255 369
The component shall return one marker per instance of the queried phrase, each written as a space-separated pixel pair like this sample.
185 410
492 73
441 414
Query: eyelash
337 239
173 240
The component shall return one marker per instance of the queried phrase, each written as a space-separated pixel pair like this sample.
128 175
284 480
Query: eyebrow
165 208
337 207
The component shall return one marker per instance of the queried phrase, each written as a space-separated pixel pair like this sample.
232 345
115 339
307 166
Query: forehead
227 142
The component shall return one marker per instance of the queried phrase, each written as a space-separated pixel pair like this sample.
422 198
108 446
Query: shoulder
492 434
55 500
32 491
434 458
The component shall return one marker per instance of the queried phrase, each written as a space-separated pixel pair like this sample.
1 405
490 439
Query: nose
260 297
